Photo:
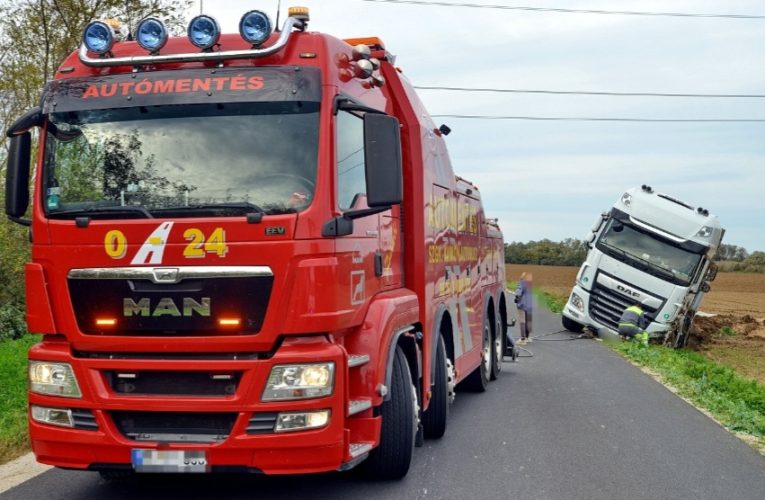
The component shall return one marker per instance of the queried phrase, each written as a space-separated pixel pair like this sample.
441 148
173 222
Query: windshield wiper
91 211
239 206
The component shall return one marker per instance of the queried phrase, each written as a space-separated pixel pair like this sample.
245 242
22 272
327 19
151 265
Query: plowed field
735 336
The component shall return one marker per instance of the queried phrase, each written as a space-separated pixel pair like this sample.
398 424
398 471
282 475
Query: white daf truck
650 249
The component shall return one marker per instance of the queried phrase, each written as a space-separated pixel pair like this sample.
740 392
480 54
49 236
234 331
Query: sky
550 180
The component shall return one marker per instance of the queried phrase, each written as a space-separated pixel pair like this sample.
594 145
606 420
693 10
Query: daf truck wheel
571 325
391 458
434 418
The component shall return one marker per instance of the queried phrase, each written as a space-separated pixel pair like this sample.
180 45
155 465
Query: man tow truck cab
650 249
249 252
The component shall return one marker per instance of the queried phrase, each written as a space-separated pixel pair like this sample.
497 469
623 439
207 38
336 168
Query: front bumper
109 447
654 329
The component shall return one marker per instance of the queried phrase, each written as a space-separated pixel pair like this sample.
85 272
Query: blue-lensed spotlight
98 37
255 27
204 32
151 34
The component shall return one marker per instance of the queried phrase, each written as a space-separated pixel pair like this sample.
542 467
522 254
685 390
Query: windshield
649 253
190 160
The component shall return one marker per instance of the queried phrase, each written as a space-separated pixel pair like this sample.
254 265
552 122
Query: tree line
572 252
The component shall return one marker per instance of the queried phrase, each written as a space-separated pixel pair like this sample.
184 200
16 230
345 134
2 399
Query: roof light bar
290 24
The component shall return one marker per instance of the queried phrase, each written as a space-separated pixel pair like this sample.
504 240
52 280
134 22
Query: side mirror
17 178
712 272
382 155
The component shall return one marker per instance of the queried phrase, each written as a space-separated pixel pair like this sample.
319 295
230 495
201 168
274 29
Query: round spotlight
151 34
98 37
204 31
255 27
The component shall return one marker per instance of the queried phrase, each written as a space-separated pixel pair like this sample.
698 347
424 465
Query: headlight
704 232
151 34
52 416
626 199
577 302
255 27
98 37
204 32
299 381
300 421
53 379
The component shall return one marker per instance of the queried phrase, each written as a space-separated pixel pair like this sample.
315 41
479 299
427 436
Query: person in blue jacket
523 302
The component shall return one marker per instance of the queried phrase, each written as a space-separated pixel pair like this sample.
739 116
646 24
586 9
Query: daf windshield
175 161
645 251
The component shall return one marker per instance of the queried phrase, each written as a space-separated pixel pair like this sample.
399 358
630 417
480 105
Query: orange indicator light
106 322
229 322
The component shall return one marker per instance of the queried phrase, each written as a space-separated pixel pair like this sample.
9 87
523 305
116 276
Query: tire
392 457
498 341
434 418
479 379
571 325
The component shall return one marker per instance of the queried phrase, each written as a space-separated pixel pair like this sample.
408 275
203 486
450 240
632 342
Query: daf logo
165 274
165 307
627 291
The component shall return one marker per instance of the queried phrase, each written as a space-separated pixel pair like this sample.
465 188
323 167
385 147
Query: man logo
627 291
165 307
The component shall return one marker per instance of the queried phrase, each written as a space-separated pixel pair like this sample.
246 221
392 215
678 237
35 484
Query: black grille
261 423
174 426
607 306
191 307
84 420
173 383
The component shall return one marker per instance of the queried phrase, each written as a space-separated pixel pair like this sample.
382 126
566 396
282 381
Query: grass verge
13 394
735 402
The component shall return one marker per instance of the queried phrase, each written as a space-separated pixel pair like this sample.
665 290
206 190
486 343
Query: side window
351 180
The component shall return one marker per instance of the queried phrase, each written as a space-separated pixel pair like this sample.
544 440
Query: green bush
12 322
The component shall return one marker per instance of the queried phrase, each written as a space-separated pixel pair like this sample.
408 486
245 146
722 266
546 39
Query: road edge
19 471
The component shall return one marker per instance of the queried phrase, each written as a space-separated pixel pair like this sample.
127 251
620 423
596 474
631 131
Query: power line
605 119
571 11
586 92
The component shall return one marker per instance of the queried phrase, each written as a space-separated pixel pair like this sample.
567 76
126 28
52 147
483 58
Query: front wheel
392 457
571 325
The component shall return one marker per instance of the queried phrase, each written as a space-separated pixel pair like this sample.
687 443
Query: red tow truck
249 253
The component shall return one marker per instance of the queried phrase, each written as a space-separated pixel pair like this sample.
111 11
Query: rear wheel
498 337
571 325
434 418
479 379
391 458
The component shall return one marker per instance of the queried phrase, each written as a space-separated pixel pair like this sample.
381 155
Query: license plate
169 461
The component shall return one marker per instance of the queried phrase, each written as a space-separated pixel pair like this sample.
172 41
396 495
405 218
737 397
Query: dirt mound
712 329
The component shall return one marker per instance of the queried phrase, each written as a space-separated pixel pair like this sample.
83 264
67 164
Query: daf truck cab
650 249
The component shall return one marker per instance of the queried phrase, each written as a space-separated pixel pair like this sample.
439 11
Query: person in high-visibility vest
632 324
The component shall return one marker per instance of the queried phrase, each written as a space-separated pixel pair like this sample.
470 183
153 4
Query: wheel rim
487 358
498 351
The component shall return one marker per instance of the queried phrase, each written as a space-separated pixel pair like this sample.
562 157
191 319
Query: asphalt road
573 421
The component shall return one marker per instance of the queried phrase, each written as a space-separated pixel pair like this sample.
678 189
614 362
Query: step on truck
650 249
249 253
